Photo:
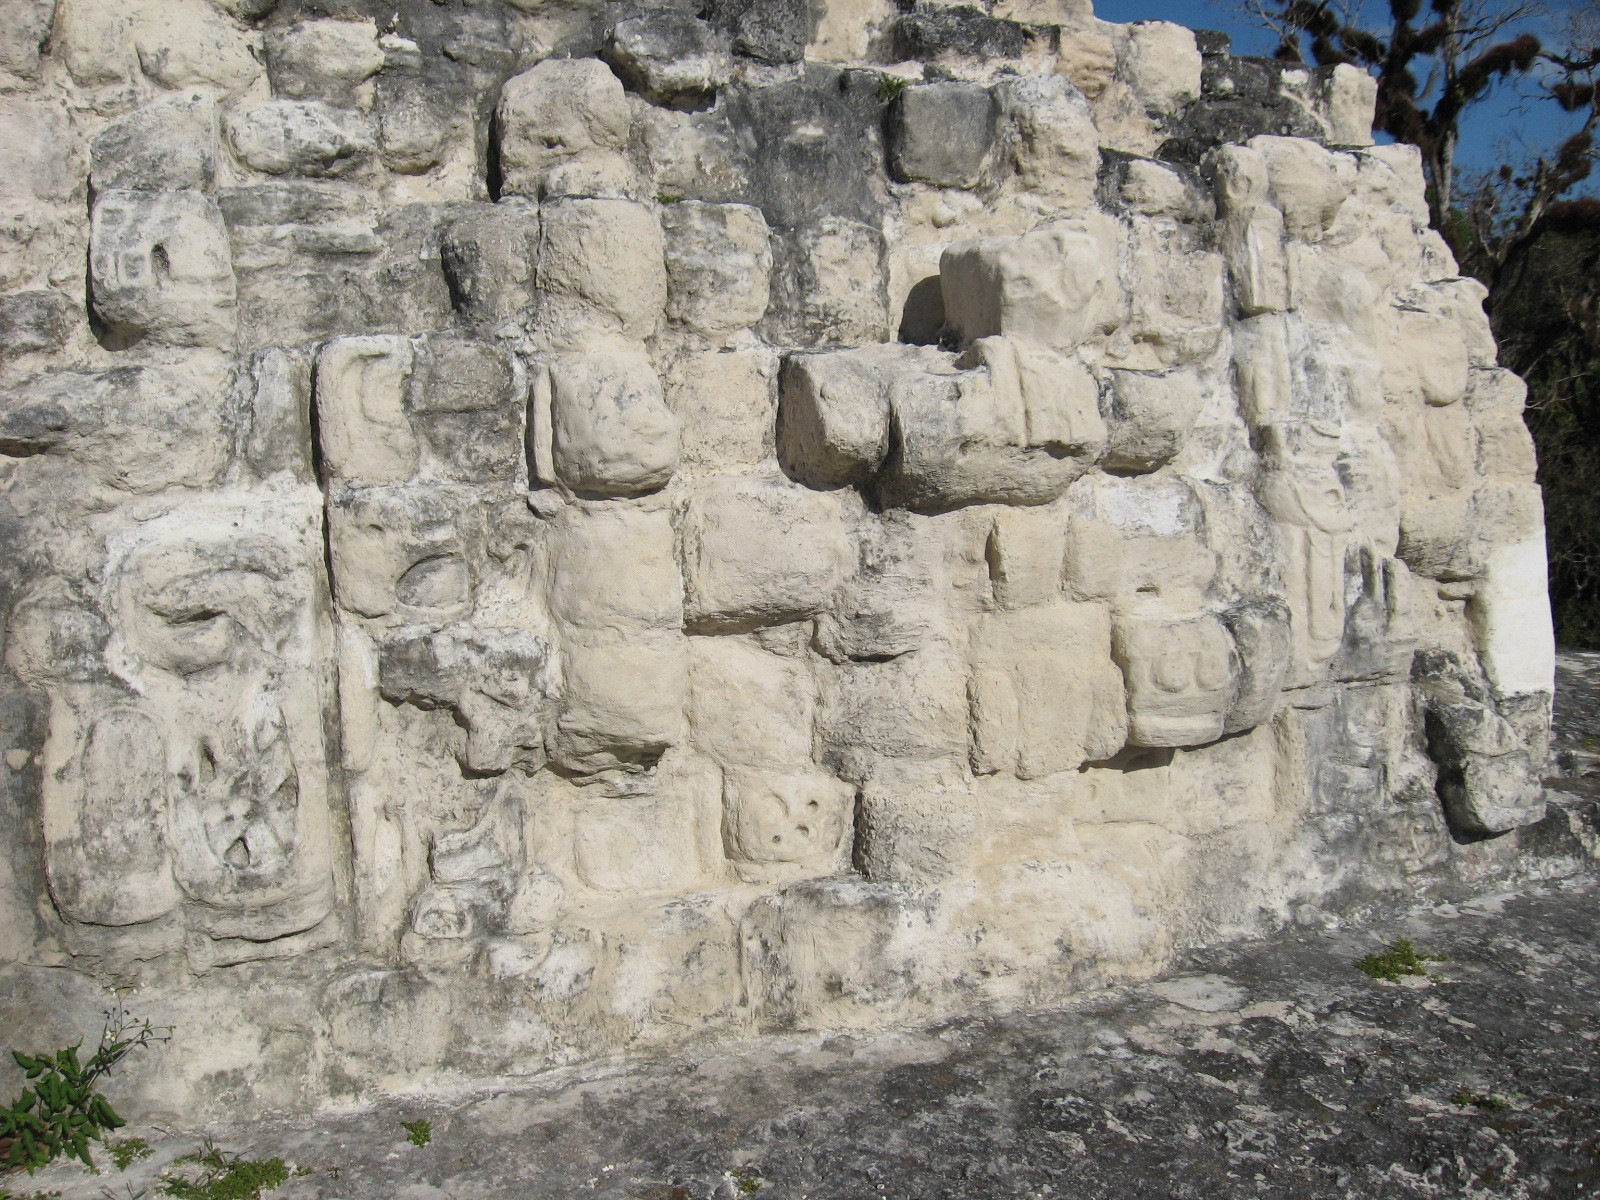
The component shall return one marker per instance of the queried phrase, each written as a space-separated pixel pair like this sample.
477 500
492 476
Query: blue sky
1505 119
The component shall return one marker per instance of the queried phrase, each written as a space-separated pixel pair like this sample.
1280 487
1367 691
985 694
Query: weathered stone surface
669 58
941 133
161 266
580 531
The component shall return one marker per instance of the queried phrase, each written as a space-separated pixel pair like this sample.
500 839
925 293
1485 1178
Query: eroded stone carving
474 537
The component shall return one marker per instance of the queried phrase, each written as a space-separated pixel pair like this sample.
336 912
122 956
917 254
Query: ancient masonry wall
533 532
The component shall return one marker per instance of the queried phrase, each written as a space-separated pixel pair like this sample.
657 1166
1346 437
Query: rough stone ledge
1273 1068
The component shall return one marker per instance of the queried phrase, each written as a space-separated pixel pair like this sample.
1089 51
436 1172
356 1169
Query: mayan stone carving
535 532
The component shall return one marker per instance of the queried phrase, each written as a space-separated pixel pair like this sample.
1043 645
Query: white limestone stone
162 267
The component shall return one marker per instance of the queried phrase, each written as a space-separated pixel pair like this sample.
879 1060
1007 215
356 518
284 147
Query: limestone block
1425 357
278 438
1305 495
614 568
400 550
843 30
726 403
601 270
1261 368
218 633
1511 620
828 286
328 60
1307 184
1175 292
669 58
1088 58
912 706
797 819
35 321
1131 538
719 265
189 44
1049 134
601 426
499 683
109 863
622 699
567 113
1378 633
749 707
164 146
23 34
1150 417
466 399
1260 632
1026 555
1161 63
1180 675
941 133
1349 95
890 604
987 435
1153 190
771 31
758 552
916 824
1252 245
489 254
1485 780
287 137
421 127
365 434
834 411
138 430
634 846
1037 714
1046 287
161 267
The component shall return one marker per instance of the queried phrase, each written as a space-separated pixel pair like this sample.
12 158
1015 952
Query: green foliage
61 1110
747 1184
669 198
127 1151
223 1176
1398 960
1481 1100
890 86
419 1132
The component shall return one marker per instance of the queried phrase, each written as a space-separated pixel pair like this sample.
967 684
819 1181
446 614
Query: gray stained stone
669 58
941 133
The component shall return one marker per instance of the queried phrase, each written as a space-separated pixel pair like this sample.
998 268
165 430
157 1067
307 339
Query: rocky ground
1273 1069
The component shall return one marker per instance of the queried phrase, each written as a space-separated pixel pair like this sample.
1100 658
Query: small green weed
418 1133
1398 960
127 1151
670 198
223 1176
1482 1100
890 86
62 1110
747 1184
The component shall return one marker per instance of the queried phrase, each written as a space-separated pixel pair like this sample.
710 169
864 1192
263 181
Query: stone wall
534 532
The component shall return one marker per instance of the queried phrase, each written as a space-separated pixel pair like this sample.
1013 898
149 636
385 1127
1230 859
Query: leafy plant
1485 1101
61 1111
747 1184
223 1176
1398 960
890 86
419 1132
127 1151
